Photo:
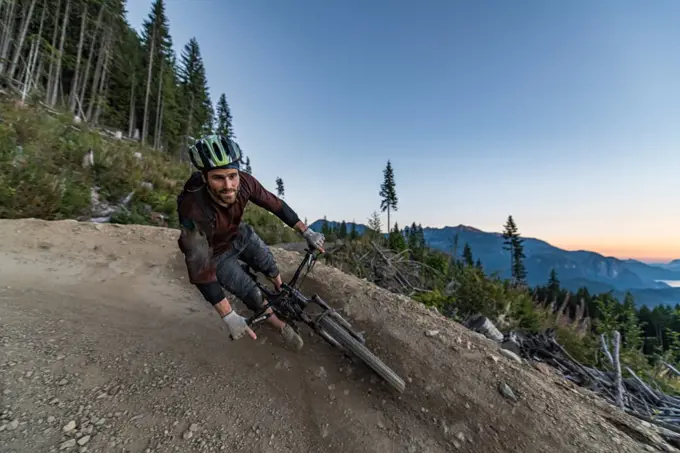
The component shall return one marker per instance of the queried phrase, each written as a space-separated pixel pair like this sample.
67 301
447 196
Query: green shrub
269 227
42 173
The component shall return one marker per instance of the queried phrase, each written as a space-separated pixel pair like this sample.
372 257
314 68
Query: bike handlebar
310 257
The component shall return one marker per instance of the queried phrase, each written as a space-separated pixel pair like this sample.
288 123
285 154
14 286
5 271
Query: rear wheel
351 344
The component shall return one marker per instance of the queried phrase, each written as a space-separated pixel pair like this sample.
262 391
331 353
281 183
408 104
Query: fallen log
631 394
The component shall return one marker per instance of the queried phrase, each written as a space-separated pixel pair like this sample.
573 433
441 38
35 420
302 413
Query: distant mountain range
673 265
575 269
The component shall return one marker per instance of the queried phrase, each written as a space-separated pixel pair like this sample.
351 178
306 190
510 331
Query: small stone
6 392
70 426
50 419
543 368
194 427
187 435
506 391
62 382
460 436
83 440
431 333
511 355
68 444
14 424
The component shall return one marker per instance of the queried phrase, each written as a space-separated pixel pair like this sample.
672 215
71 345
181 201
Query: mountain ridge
594 270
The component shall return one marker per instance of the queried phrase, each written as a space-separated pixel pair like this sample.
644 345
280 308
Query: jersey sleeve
198 259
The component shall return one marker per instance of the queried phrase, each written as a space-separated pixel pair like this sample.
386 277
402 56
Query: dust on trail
106 347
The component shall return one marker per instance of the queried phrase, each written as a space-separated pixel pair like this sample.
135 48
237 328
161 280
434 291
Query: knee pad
254 300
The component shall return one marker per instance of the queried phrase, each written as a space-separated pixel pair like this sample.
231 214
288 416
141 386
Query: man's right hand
237 326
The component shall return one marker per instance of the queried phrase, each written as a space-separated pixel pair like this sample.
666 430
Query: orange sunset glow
662 249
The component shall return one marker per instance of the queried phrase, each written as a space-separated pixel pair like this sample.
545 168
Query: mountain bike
290 305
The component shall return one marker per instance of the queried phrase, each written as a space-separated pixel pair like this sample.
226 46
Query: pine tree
467 255
607 321
248 168
454 247
374 225
279 187
353 234
195 94
478 265
553 284
224 119
126 84
420 237
160 126
396 239
161 113
388 193
342 233
325 229
509 232
412 239
514 244
633 333
83 56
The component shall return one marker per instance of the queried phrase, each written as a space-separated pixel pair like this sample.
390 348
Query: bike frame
290 304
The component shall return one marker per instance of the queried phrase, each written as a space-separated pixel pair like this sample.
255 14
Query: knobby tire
350 343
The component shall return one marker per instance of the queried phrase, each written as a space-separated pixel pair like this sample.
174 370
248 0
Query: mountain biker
213 238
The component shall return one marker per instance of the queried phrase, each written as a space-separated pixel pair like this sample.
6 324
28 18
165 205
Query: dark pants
251 249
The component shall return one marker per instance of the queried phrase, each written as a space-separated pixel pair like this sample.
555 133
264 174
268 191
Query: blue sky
564 114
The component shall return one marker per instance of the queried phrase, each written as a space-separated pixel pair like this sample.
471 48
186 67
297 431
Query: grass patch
42 174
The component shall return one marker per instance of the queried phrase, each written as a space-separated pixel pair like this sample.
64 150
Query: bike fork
336 316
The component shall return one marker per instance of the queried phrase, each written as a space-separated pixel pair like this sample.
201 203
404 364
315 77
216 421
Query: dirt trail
98 326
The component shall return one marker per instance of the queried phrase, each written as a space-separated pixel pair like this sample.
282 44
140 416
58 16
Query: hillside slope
100 328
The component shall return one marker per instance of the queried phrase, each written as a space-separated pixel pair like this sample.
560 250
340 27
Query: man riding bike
213 238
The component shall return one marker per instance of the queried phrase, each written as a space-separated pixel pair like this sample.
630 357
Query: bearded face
223 184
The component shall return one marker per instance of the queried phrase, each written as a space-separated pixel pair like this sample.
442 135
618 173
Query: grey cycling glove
314 240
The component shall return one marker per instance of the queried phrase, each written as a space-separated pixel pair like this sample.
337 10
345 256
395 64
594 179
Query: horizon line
643 259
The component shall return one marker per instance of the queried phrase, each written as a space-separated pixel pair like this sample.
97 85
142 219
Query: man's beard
227 196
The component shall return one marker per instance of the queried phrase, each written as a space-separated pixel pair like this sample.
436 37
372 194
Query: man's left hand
314 240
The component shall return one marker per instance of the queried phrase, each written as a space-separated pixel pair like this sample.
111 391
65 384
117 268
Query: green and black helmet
215 151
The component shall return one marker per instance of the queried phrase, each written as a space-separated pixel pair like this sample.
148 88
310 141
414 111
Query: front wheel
351 344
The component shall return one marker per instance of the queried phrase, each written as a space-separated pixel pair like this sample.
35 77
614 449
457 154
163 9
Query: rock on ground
106 347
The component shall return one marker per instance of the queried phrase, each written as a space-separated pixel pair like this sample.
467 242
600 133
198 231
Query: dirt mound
106 347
